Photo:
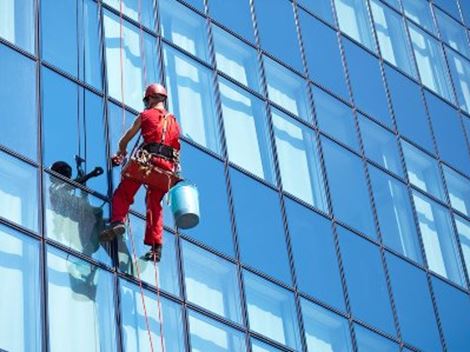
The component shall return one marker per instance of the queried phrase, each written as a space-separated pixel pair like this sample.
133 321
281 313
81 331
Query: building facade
330 143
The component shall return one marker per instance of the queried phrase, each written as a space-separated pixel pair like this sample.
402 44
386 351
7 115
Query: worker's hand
117 159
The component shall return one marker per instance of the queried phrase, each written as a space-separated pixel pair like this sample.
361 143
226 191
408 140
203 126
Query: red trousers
123 197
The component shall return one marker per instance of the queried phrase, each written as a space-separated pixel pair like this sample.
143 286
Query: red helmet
155 89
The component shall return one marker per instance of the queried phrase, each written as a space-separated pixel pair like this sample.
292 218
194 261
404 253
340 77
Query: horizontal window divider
188 54
199 309
241 85
253 176
18 227
214 21
322 304
307 205
18 49
376 330
269 341
19 156
207 248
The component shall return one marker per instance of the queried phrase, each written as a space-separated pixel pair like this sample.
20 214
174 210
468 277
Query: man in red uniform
160 132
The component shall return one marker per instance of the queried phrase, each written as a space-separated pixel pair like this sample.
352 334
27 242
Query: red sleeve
176 132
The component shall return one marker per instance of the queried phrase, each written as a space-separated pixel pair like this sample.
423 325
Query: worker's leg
154 228
123 197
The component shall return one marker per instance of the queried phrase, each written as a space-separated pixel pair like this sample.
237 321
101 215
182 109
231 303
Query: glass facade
330 143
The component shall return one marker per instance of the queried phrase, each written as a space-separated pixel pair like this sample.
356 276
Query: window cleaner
155 163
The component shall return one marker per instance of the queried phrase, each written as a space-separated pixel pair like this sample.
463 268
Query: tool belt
162 150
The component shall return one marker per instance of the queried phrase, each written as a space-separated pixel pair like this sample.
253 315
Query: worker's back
152 124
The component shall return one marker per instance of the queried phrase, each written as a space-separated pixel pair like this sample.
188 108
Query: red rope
160 316
141 38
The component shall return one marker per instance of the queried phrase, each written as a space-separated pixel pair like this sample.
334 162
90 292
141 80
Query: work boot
115 229
154 253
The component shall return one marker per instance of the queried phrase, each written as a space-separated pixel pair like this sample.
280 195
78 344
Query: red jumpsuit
151 129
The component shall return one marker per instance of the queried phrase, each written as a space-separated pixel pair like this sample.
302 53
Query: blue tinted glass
407 101
430 61
246 130
380 145
367 341
80 299
208 174
131 245
209 335
236 15
273 36
184 27
392 37
198 4
322 53
413 304
17 24
452 32
367 287
314 254
142 11
286 89
207 275
133 320
459 190
75 218
460 72
463 230
133 67
321 8
235 58
423 170
395 214
324 330
346 179
299 162
271 311
259 226
448 5
190 98
454 311
19 292
18 109
449 133
420 12
18 192
465 8
369 94
258 346
438 238
335 118
353 20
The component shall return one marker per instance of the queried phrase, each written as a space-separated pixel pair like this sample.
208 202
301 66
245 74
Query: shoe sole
110 234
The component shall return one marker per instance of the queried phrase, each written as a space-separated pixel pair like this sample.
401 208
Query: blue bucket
185 205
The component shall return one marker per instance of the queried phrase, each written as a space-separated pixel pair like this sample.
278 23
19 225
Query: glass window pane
20 300
448 5
324 330
438 238
198 4
211 282
258 346
354 21
380 145
459 190
236 59
235 15
134 328
167 268
367 287
274 37
18 102
313 248
246 130
208 174
17 24
142 11
452 33
460 72
335 118
367 341
369 94
413 304
271 311
322 53
392 37
190 98
18 192
259 226
430 61
346 179
449 134
420 12
287 89
395 215
454 311
423 170
75 218
139 65
321 8
209 335
184 28
299 162
407 101
76 50
80 299
463 230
